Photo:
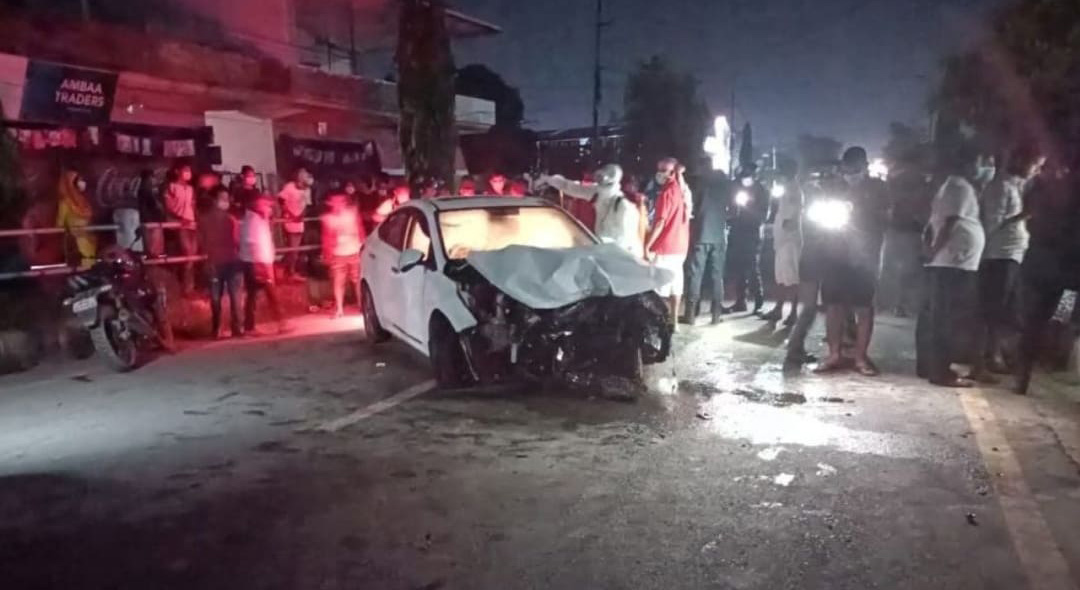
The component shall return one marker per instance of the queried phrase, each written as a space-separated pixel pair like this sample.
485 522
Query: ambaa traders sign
57 93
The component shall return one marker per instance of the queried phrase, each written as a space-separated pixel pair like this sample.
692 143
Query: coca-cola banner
110 159
58 93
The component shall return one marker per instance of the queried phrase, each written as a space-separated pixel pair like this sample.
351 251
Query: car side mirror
409 259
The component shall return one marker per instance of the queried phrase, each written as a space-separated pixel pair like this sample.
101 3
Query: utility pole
597 82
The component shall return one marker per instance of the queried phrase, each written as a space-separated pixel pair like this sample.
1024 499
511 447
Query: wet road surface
316 462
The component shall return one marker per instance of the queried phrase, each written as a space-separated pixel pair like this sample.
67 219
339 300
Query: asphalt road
315 462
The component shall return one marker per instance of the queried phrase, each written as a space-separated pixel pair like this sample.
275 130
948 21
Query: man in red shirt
669 239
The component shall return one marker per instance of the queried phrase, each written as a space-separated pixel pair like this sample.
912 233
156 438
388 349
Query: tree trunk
426 93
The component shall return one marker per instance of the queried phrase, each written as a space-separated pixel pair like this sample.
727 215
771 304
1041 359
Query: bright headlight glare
742 198
830 214
778 191
748 182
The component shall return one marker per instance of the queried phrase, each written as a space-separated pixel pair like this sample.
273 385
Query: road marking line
377 407
1039 553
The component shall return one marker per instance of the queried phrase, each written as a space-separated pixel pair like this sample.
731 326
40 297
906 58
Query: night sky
843 68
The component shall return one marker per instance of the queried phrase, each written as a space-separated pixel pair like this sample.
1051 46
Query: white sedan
493 288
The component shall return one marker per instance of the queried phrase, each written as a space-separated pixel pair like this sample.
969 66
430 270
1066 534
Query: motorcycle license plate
84 305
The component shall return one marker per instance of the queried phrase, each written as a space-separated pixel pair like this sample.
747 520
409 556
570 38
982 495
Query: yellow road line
1039 553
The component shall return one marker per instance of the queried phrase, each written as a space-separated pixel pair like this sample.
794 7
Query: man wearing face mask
220 234
617 219
853 264
295 198
954 242
669 239
1004 220
245 191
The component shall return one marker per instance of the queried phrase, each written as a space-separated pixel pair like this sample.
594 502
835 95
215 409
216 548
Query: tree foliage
815 150
664 116
479 81
1020 84
908 148
426 92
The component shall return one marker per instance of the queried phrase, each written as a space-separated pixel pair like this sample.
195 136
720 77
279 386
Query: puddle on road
779 399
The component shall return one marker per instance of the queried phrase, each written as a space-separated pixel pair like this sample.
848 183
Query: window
419 236
482 230
392 231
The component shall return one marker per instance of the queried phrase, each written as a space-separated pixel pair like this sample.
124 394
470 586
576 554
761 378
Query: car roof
480 202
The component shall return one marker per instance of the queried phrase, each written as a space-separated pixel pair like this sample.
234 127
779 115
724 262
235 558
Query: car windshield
482 230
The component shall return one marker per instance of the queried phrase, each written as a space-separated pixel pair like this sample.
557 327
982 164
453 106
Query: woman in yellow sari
75 212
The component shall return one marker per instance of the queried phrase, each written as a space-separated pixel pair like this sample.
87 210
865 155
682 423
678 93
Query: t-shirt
967 240
341 233
293 202
256 240
674 236
1000 201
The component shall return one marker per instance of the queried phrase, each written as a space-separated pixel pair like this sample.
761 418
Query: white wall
244 140
12 80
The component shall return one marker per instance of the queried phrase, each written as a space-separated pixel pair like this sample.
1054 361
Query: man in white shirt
1004 221
954 241
295 198
257 255
342 238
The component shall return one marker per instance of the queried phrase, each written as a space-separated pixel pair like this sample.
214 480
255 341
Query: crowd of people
835 234
960 251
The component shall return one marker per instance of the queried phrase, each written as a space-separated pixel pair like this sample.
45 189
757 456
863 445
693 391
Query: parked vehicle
498 288
121 307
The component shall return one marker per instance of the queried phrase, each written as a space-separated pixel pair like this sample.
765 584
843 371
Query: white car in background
495 288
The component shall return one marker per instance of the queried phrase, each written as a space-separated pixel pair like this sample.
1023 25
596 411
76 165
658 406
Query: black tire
447 357
632 366
373 330
119 355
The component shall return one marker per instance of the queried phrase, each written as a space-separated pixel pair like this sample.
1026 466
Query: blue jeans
225 277
706 260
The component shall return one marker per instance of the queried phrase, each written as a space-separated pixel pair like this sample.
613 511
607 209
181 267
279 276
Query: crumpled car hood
550 279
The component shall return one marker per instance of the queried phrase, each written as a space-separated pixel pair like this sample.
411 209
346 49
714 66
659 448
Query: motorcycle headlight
830 214
778 191
742 198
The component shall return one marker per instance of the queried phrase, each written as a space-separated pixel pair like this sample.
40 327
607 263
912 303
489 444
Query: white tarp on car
549 279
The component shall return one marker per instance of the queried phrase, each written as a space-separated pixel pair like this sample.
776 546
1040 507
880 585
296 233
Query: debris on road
703 415
971 519
84 378
825 470
784 479
770 454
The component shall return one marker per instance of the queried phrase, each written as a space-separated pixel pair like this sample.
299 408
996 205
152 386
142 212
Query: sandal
954 382
867 369
830 366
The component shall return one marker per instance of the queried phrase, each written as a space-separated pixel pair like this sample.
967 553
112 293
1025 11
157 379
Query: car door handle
396 271
371 256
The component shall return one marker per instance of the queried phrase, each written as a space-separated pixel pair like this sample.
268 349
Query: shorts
846 283
673 263
998 281
787 263
346 268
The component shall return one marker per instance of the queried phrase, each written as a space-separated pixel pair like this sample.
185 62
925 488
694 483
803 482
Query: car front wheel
373 330
447 356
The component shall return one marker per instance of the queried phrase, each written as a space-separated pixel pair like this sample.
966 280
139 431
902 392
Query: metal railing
65 268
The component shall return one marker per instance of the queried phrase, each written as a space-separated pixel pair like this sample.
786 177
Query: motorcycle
121 308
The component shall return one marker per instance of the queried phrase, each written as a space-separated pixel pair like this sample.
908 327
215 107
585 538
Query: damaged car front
586 315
